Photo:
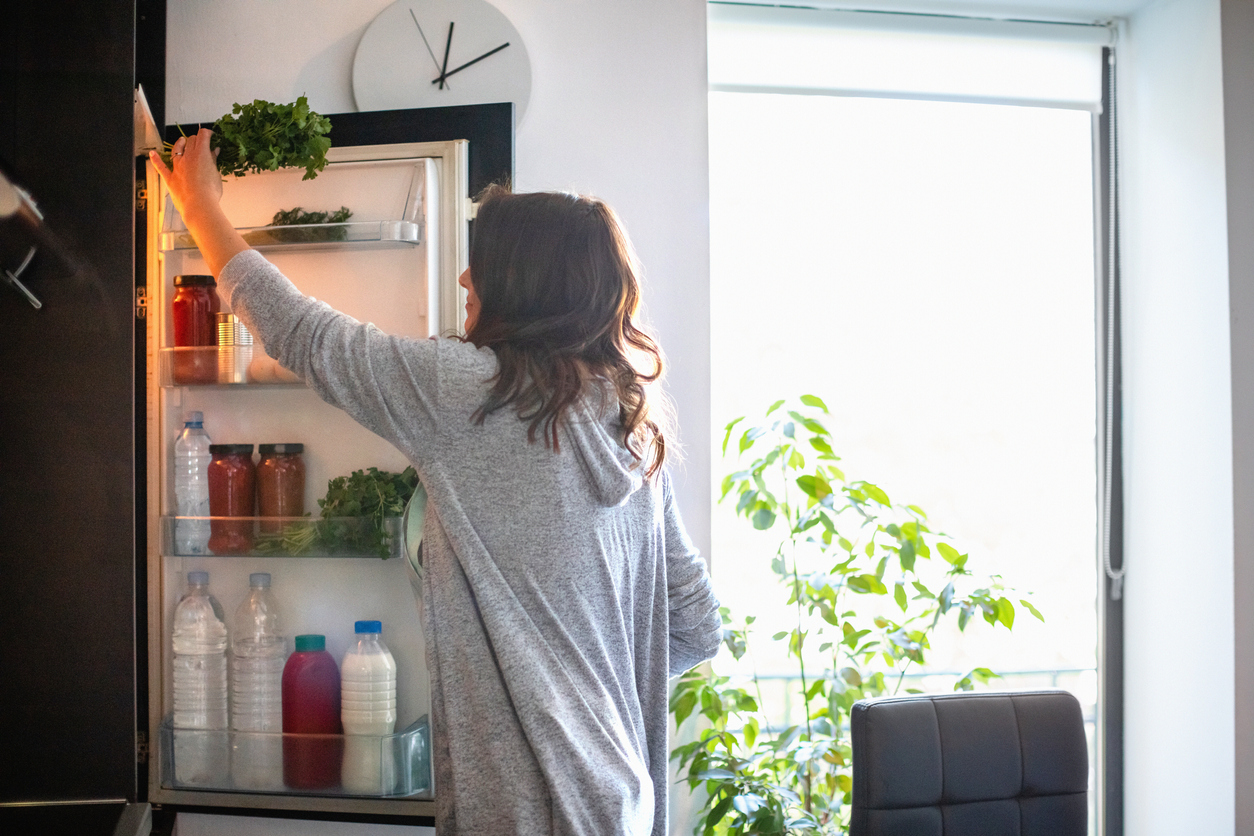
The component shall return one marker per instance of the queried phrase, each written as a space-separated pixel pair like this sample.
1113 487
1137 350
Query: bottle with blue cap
368 712
200 694
258 653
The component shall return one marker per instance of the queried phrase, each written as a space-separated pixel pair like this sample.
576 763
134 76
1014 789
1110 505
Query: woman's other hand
196 187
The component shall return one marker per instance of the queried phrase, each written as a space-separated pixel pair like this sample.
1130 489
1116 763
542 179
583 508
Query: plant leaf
948 552
728 432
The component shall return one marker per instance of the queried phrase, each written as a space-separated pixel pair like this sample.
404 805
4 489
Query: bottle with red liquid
313 746
193 309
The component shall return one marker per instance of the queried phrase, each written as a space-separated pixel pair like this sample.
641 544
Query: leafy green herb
264 136
374 494
289 217
355 515
295 538
307 227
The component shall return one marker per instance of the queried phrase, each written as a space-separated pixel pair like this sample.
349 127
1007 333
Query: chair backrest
968 764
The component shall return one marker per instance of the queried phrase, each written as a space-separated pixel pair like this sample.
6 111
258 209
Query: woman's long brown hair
558 292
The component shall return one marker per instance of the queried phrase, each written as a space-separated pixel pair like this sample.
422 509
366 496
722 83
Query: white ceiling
1085 11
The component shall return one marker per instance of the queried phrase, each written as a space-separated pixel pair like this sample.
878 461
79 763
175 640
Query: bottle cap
194 417
198 578
310 642
368 627
194 281
261 579
280 449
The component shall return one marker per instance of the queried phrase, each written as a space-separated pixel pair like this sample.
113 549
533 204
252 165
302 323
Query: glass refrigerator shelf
372 766
293 536
311 235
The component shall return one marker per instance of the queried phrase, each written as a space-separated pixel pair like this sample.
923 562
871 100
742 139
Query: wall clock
436 53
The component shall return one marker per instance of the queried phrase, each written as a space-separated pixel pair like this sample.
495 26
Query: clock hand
425 42
443 76
447 44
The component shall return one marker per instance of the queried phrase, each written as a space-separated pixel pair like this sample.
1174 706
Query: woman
560 589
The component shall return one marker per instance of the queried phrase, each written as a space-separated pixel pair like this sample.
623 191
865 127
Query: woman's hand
192 177
196 187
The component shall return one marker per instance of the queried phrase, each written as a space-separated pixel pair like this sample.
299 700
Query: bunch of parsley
264 136
307 227
374 494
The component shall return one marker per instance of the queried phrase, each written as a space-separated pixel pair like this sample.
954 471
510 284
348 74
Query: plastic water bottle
191 486
368 712
258 652
200 700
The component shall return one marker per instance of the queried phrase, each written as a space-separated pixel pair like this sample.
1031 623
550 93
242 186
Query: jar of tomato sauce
193 309
280 483
232 493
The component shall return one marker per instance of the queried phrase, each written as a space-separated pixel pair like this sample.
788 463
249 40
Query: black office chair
986 764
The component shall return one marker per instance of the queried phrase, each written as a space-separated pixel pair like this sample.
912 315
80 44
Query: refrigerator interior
395 264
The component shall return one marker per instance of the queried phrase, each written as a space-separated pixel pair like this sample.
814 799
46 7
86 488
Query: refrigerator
393 262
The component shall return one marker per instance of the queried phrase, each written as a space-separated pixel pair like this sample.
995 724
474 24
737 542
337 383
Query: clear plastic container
367 708
191 486
200 690
258 652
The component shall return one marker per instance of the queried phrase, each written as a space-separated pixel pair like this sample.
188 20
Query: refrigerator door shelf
312 236
294 536
225 365
370 766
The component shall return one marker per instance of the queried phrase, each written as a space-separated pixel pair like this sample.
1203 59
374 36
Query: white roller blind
793 50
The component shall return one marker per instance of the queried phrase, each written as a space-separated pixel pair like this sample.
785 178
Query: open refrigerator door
393 262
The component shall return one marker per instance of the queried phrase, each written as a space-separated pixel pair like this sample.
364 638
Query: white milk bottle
199 639
368 712
258 651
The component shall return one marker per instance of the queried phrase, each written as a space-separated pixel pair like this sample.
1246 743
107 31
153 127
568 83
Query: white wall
618 109
1177 425
1238 35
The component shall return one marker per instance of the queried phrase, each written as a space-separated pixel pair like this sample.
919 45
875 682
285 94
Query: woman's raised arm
196 186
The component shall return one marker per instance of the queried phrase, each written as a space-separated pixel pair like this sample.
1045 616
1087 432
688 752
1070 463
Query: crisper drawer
383 766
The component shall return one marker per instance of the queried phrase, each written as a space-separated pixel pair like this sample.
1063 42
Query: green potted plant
868 583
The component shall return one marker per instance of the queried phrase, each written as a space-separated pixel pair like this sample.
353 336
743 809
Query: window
903 223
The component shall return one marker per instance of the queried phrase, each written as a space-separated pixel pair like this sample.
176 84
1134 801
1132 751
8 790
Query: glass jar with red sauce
193 309
280 483
232 493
